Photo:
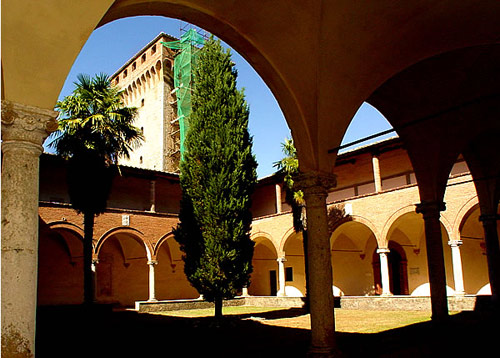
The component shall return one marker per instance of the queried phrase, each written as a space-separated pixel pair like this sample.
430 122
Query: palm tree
289 167
95 130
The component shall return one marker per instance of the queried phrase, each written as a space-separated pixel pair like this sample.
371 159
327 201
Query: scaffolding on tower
184 62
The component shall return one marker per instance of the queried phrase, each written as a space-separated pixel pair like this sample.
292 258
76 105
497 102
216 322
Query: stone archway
352 267
473 251
264 278
171 282
122 270
60 265
398 269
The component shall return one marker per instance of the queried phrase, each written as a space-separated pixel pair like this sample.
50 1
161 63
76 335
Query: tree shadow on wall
337 216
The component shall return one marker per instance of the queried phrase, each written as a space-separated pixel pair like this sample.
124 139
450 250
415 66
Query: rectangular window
289 274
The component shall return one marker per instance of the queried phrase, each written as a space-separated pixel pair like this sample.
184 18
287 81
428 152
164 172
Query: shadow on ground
101 332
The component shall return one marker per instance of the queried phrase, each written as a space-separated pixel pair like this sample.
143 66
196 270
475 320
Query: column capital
430 208
455 243
24 123
152 262
315 182
383 250
281 259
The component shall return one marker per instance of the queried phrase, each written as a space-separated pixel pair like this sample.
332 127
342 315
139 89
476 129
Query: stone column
24 128
376 173
492 254
315 187
435 257
281 276
152 291
458 275
384 271
277 188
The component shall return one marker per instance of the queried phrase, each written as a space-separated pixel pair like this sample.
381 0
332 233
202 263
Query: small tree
289 167
95 129
218 176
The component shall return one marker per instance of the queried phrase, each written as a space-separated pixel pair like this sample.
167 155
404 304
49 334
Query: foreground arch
318 93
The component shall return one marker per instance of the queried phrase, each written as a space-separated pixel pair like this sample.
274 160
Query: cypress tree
218 176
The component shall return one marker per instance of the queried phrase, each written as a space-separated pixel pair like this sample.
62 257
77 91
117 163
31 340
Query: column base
152 300
323 352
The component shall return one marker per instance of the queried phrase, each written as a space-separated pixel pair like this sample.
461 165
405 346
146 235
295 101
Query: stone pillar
376 173
152 291
435 257
152 195
384 271
277 188
281 276
24 128
457 266
315 187
492 254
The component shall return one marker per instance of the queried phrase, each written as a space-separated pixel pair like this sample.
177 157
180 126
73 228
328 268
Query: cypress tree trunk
88 274
218 309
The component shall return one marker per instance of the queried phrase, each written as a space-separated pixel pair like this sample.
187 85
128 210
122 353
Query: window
142 102
153 49
125 74
143 58
134 66
289 274
117 80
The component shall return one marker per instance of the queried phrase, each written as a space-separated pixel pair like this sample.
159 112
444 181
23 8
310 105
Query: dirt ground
102 332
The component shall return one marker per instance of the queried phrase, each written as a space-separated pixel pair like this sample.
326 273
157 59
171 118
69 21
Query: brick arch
359 219
462 215
159 243
67 226
264 235
133 233
392 219
73 230
362 221
284 239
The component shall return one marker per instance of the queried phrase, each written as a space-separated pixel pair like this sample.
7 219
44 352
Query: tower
147 83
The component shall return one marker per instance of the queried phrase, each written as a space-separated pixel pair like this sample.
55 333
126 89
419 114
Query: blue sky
111 45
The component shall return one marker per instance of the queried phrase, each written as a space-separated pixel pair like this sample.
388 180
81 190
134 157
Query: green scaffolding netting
188 47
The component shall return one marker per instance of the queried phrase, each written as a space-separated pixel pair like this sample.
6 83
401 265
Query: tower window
289 274
142 102
140 159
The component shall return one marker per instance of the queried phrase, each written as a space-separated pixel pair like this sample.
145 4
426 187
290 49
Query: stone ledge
259 301
392 303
